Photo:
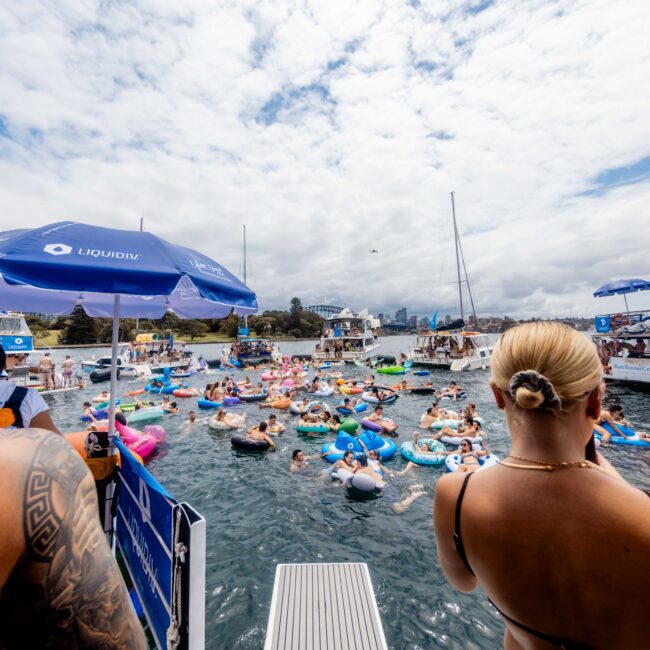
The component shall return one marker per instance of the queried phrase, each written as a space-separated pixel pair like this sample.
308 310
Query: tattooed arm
59 584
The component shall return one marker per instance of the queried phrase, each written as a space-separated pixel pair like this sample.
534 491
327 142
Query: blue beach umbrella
113 273
622 287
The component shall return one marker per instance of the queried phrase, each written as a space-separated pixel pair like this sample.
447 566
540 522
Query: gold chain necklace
546 467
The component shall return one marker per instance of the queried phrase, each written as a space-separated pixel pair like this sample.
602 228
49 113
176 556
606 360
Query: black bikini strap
458 540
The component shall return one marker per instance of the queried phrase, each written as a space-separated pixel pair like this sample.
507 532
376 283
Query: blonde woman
552 534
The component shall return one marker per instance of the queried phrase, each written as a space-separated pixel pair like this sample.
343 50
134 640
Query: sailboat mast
245 274
244 253
460 286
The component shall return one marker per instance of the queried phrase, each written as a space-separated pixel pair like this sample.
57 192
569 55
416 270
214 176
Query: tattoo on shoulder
76 587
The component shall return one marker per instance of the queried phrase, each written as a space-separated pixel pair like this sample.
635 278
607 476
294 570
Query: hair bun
532 390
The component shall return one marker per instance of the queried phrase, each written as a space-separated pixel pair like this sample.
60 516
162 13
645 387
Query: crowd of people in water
528 526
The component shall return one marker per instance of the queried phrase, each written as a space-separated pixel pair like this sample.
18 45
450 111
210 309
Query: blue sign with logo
17 343
144 535
603 324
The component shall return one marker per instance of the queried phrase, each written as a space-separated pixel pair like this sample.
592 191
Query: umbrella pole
627 309
116 331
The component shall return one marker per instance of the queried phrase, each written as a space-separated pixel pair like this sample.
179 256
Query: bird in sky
373 250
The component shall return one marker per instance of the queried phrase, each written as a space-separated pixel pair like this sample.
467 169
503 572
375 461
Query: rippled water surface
259 515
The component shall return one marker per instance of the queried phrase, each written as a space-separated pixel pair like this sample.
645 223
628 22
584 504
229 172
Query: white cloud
332 127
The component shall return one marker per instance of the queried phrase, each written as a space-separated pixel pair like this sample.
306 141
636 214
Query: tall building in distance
401 315
447 319
412 322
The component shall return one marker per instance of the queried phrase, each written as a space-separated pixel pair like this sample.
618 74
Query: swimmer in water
299 461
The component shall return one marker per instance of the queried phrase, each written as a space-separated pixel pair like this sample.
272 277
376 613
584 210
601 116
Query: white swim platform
324 607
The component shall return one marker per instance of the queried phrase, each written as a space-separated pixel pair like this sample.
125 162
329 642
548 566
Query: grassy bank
51 340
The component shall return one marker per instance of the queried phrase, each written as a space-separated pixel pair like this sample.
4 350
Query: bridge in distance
326 311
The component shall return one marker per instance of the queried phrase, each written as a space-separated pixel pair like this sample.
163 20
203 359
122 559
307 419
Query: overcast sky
331 128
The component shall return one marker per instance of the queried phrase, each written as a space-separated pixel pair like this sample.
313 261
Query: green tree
295 312
192 328
79 328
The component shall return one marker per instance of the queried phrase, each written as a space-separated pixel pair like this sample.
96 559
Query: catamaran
348 337
452 347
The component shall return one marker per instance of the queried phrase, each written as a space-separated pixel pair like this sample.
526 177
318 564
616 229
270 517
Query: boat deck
324 607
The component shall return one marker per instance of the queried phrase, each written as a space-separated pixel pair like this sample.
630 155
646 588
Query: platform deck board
324 607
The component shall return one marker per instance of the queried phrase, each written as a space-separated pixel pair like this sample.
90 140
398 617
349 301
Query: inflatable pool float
269 376
421 373
453 462
157 431
179 375
389 427
314 427
231 401
126 408
358 408
209 404
408 451
454 441
351 390
247 444
141 443
632 440
295 408
252 397
447 422
103 406
391 370
133 393
278 402
359 485
349 425
324 392
340 382
371 399
100 414
317 407
324 366
461 395
183 392
99 399
233 422
422 390
146 415
345 442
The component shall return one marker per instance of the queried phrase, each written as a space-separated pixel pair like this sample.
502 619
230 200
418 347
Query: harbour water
259 514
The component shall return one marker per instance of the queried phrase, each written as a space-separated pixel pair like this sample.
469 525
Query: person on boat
554 504
46 368
60 586
67 368
259 433
638 349
273 426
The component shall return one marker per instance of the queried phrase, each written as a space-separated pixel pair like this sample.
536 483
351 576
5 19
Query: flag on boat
434 320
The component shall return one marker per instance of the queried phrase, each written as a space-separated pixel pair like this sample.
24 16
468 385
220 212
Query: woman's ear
594 404
498 395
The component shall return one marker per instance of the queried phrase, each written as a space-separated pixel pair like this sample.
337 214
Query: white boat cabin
456 351
347 336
